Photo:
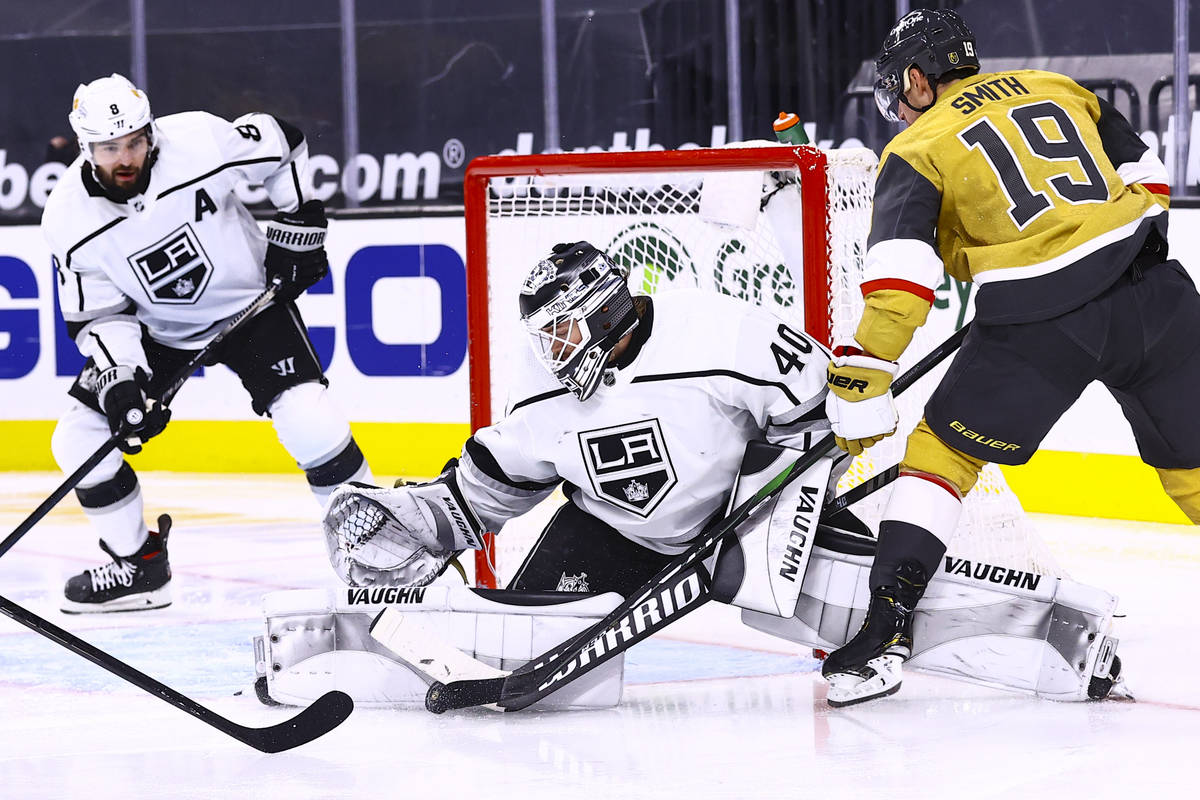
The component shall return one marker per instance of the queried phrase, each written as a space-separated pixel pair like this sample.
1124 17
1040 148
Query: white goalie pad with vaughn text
318 640
762 570
982 623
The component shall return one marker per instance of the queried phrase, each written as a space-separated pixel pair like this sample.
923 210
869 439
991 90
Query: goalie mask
576 306
936 42
108 108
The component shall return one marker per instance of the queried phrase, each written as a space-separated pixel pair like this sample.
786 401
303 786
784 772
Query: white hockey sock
926 504
121 525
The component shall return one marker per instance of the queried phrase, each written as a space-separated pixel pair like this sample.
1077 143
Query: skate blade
144 601
1120 692
848 689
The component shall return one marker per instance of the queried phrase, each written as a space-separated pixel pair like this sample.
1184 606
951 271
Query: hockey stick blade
443 697
329 711
326 713
571 659
414 642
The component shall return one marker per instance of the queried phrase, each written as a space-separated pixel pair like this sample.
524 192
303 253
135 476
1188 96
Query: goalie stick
318 719
681 586
441 662
185 372
414 642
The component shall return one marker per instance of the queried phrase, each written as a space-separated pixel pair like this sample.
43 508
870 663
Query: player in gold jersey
1043 195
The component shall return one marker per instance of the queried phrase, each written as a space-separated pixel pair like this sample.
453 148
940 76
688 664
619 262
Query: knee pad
309 425
1183 486
315 432
927 453
78 434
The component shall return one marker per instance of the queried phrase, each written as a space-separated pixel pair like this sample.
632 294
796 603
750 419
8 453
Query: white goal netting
781 227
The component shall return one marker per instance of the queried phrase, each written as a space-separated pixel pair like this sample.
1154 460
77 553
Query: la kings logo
173 270
629 465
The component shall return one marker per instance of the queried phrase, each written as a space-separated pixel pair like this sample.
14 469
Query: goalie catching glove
859 405
398 537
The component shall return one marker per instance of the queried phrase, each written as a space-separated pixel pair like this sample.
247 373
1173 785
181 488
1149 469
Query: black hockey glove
122 395
296 249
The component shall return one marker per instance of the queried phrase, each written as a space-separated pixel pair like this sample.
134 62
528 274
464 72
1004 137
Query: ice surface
712 710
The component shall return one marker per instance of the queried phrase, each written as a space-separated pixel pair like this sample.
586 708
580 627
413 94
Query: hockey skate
1109 683
131 583
868 666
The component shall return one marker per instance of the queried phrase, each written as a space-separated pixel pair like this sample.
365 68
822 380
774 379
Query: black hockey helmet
576 306
936 42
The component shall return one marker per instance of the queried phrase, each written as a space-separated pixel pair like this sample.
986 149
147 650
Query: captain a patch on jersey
174 269
629 465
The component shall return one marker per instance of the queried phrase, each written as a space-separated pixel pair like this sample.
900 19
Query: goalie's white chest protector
186 251
654 452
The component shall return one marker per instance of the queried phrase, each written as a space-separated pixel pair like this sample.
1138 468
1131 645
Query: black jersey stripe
814 414
537 398
906 204
296 183
718 373
486 463
103 349
221 168
76 327
1121 143
87 239
290 132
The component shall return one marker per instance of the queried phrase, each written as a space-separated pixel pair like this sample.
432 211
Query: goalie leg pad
318 640
763 568
977 622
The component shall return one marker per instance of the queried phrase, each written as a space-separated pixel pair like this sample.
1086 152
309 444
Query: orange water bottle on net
789 129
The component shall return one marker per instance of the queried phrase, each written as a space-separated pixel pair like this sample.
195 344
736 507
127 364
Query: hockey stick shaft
329 710
58 494
867 487
235 322
172 388
610 636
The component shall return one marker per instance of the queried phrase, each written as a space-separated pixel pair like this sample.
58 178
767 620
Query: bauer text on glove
859 404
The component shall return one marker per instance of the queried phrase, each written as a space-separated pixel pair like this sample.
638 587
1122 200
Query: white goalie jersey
655 451
186 253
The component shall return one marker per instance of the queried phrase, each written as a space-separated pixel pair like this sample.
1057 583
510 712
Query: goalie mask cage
783 227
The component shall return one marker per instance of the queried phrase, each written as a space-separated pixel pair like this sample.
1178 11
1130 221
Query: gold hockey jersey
1023 182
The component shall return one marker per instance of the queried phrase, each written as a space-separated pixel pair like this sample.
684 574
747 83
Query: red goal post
808 161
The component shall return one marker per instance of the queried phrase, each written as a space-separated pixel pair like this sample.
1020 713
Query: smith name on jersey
654 452
186 252
1023 182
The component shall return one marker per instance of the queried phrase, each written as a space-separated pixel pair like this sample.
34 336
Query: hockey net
782 227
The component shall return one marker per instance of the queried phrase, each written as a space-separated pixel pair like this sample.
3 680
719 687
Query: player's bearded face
121 163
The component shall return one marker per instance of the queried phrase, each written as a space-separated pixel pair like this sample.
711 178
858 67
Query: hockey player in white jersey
153 253
641 407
